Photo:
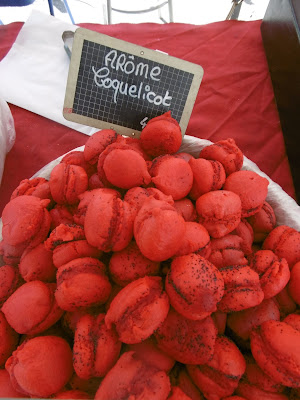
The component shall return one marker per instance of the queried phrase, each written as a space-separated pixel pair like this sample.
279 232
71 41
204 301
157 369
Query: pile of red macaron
137 272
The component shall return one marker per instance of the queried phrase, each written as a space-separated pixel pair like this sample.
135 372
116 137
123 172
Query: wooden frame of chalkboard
114 84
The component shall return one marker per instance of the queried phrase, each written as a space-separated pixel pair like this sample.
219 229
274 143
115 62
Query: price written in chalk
143 122
119 85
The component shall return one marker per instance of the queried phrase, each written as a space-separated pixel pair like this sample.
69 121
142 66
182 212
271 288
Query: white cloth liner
33 75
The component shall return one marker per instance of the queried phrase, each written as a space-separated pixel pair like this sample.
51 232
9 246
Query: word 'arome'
121 63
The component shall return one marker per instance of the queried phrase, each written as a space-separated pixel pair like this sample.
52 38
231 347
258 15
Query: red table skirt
235 99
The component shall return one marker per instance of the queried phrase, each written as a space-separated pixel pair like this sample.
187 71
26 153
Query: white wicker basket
286 209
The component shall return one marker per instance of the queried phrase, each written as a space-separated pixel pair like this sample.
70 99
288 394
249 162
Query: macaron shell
61 214
250 187
67 252
138 309
125 234
77 158
28 306
261 260
225 151
262 222
245 231
120 146
42 234
21 219
164 117
135 143
195 240
149 352
38 187
219 212
64 233
67 182
37 264
173 176
97 143
90 386
136 197
41 366
75 277
220 376
53 316
293 320
256 376
285 243
242 322
158 230
95 182
131 378
96 348
159 195
186 208
194 341
161 136
275 278
108 223
226 251
117 382
86 197
126 169
129 264
227 358
208 175
192 297
187 385
276 348
242 289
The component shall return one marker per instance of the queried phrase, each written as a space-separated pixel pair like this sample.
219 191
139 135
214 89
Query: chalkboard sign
119 85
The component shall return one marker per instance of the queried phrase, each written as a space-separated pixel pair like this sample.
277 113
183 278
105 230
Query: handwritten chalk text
121 63
126 64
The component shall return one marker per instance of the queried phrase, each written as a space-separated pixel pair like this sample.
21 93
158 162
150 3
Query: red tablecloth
235 99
